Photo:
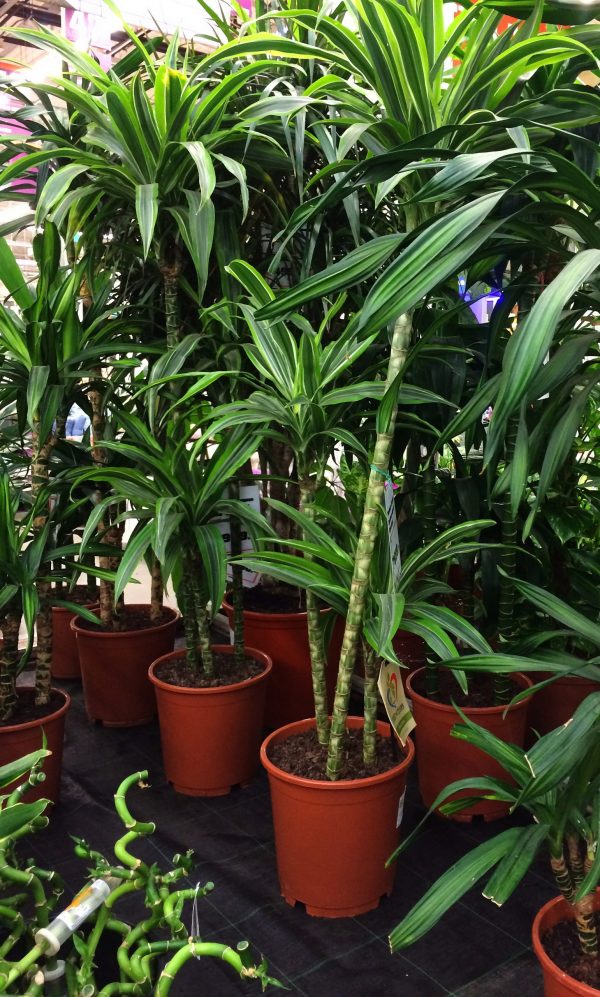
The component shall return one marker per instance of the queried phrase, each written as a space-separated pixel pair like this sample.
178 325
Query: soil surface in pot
80 595
562 946
228 672
283 599
481 690
302 755
131 619
26 710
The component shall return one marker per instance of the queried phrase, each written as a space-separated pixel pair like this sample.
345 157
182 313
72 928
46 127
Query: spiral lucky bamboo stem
364 553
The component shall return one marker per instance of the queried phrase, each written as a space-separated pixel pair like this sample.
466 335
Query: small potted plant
210 698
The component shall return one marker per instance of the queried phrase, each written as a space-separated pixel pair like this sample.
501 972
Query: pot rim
255 616
478 711
212 690
126 634
41 721
584 990
342 784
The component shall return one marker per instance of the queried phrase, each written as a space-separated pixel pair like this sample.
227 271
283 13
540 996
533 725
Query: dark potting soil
302 755
132 619
562 946
481 689
80 595
283 599
227 672
26 710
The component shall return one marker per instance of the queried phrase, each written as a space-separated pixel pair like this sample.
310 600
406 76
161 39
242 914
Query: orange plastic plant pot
18 740
442 759
114 670
283 637
211 737
333 838
65 658
557 983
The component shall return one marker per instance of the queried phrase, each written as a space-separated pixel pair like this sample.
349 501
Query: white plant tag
250 495
390 511
394 699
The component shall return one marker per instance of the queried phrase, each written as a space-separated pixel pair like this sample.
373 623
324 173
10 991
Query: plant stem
156 592
203 622
237 582
429 500
42 452
316 639
10 622
370 705
364 553
190 623
508 562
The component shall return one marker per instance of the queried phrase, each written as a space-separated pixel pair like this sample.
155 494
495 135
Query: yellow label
394 699
83 895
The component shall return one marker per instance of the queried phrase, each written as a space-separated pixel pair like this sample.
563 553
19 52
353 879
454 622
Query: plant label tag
390 512
249 495
400 809
394 699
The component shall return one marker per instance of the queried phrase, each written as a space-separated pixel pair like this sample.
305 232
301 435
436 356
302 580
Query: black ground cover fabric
476 951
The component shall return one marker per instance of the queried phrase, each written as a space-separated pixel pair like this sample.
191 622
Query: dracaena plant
558 783
48 351
176 495
325 567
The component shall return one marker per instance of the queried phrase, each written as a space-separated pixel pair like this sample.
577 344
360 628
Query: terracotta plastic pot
114 669
21 739
333 838
557 983
442 759
65 659
556 703
284 638
211 737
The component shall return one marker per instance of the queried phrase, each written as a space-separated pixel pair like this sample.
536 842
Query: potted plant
210 698
556 781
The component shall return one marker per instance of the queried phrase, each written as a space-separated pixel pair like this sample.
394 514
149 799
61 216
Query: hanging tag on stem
394 699
195 925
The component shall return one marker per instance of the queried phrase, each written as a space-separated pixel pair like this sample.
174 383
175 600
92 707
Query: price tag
392 693
400 814
250 495
390 511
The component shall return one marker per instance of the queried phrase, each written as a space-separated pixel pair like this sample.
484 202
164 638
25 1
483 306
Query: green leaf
358 265
214 563
146 212
206 171
515 864
19 815
133 555
519 468
15 770
558 610
528 346
425 263
451 887
36 386
55 188
12 277
238 171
